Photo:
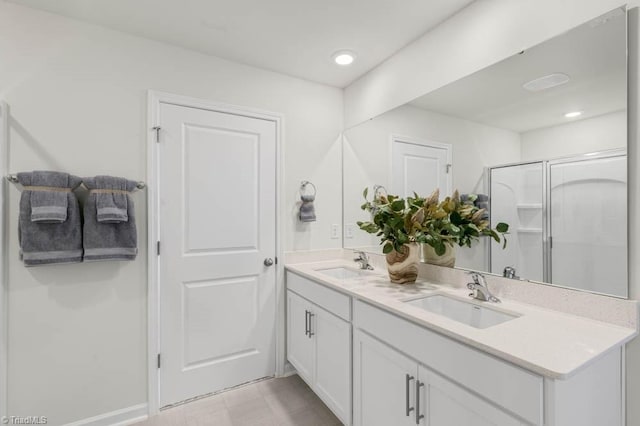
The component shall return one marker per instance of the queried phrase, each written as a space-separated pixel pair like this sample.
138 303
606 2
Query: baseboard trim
289 370
123 417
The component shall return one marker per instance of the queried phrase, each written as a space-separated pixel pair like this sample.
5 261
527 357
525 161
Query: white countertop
547 342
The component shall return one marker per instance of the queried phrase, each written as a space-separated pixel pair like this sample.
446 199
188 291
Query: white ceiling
594 56
294 37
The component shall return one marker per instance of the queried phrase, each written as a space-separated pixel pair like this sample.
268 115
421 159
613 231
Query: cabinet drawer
499 382
337 303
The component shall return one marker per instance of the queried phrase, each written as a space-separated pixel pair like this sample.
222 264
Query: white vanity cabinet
441 402
405 373
319 341
384 384
299 343
393 389
402 370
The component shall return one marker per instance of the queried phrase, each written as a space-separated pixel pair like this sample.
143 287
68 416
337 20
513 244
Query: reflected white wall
604 132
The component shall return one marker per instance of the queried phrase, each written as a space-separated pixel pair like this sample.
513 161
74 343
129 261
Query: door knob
268 261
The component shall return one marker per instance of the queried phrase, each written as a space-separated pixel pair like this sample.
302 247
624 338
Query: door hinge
158 248
550 242
157 129
158 360
276 259
449 168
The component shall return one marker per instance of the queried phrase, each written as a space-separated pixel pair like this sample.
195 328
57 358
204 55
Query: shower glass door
588 224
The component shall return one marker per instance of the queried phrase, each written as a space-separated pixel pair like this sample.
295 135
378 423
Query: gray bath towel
48 197
481 201
111 238
307 209
112 206
45 238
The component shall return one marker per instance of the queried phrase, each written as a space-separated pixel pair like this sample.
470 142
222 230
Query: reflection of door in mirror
420 167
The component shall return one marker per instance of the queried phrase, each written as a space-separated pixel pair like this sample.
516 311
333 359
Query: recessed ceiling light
573 114
546 82
344 57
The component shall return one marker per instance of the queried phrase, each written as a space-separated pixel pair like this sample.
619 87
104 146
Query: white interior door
420 167
217 226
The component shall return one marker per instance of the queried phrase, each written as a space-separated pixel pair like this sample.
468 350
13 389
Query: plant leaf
502 227
397 205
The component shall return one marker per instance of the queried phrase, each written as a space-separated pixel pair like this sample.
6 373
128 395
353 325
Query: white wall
77 333
600 133
367 160
633 155
485 32
4 132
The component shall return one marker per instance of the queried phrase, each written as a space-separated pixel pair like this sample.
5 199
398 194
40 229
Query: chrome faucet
363 260
510 272
480 289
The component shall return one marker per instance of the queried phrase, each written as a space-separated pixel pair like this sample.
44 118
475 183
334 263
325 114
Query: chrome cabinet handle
268 261
311 333
408 409
306 322
419 416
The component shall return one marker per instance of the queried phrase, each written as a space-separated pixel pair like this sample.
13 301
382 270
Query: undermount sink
464 312
342 273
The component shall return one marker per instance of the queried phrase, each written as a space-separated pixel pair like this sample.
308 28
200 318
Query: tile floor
274 402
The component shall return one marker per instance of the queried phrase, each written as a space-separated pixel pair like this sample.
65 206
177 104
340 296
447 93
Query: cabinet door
333 362
444 403
384 384
299 343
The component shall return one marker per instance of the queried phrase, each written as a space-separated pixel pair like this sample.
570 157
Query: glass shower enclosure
568 221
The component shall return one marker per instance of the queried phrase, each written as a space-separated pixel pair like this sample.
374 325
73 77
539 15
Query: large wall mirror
540 138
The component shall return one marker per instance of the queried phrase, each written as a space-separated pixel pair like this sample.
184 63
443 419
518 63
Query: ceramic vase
448 259
403 266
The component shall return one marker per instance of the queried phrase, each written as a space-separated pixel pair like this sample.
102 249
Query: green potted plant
453 222
404 224
398 223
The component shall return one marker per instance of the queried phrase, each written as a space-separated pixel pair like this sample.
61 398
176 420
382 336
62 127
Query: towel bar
14 179
303 187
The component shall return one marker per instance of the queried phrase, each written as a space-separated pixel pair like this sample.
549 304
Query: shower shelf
529 230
